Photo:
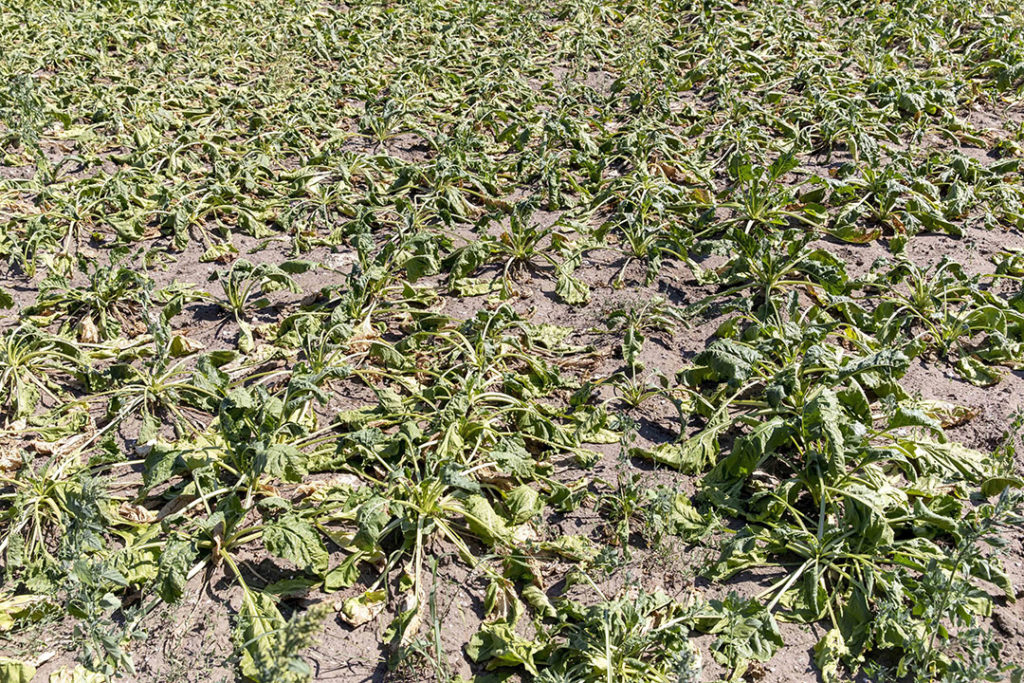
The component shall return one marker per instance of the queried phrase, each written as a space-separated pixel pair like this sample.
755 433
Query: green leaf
293 538
344 575
523 504
484 521
176 561
284 461
745 629
372 517
161 462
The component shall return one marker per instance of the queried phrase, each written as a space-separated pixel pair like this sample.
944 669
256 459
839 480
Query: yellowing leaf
361 609
77 675
88 333
136 513
14 671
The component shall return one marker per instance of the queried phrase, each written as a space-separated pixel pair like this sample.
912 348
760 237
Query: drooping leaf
829 652
499 645
690 456
948 459
270 646
344 575
977 373
821 418
161 462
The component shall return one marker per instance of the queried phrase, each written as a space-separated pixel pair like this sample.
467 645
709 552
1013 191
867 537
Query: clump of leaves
849 504
244 286
30 361
637 637
111 302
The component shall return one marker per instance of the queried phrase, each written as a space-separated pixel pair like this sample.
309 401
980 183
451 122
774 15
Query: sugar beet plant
363 316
